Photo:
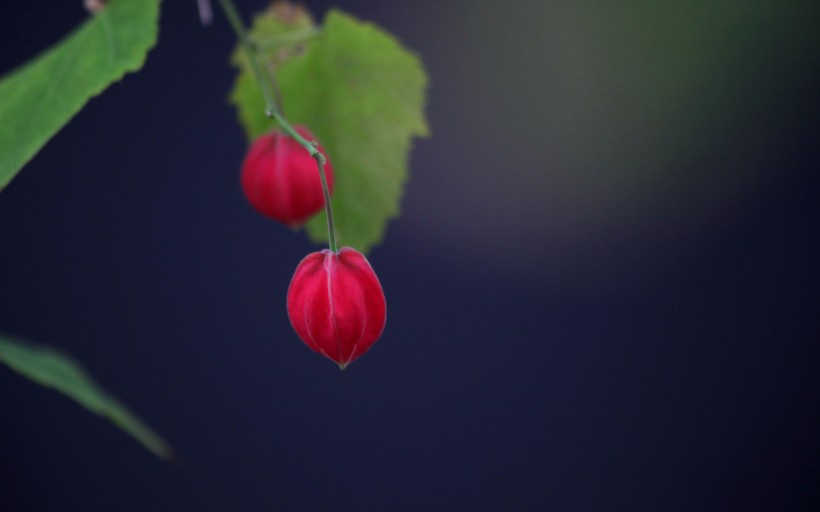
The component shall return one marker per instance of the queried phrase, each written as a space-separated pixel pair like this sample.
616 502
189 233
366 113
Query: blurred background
602 290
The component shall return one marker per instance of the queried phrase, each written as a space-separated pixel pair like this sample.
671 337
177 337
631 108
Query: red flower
281 180
336 304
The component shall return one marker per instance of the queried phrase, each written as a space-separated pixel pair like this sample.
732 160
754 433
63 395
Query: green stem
269 93
277 93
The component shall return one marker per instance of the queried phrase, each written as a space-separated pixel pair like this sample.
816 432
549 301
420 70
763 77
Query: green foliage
361 94
40 97
52 369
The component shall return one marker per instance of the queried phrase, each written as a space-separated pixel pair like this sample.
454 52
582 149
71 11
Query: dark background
602 291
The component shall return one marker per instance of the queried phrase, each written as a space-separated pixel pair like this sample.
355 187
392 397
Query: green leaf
362 95
40 97
52 369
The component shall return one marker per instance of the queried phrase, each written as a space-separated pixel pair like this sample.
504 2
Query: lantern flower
336 304
279 178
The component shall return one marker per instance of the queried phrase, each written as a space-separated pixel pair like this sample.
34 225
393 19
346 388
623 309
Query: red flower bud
336 304
281 179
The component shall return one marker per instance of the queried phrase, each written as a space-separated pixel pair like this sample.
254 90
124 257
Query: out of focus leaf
55 370
40 97
361 94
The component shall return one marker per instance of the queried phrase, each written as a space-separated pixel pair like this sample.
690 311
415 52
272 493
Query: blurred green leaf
361 94
55 370
40 97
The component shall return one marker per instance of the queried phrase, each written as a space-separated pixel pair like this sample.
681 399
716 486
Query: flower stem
264 80
277 94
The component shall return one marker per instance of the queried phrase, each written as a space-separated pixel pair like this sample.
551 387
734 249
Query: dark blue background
581 317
